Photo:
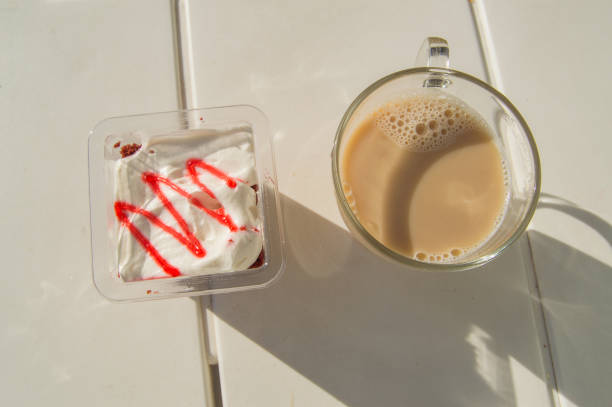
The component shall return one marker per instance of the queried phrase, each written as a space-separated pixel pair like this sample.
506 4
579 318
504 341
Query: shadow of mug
369 332
574 292
598 224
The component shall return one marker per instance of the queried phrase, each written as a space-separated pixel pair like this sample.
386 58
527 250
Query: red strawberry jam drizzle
186 238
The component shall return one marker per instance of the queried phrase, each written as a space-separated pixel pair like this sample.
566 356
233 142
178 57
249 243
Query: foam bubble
448 257
456 252
350 198
425 122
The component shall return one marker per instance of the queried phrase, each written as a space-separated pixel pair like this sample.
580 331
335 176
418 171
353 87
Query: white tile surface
553 61
354 331
551 58
304 62
342 327
66 65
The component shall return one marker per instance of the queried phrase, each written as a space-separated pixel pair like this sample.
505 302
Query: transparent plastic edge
119 291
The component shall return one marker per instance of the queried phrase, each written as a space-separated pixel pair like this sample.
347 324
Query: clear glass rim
371 240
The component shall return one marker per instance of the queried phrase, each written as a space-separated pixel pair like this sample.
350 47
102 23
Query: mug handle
434 53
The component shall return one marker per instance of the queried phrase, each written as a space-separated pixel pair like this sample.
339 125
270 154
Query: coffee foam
457 253
430 121
350 199
426 122
448 257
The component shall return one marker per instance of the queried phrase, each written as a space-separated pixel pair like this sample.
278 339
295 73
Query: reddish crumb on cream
129 149
117 144
148 291
255 188
260 260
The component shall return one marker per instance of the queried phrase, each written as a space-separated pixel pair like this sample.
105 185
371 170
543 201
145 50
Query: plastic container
245 121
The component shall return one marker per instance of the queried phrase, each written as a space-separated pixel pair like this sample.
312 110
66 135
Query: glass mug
509 130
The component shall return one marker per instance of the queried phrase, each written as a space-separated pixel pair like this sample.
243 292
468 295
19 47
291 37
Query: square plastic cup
246 122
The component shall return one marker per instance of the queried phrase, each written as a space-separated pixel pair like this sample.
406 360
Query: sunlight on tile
565 402
492 369
527 386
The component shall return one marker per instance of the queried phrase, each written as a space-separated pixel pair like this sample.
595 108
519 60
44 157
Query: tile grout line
183 53
177 51
543 334
186 98
487 48
494 78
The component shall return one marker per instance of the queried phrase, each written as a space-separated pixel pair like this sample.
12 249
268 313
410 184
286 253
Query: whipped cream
223 237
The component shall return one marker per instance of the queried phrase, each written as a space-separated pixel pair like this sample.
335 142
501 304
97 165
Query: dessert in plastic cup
184 203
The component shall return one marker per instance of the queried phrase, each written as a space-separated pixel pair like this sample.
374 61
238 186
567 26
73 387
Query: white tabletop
65 66
552 62
341 327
